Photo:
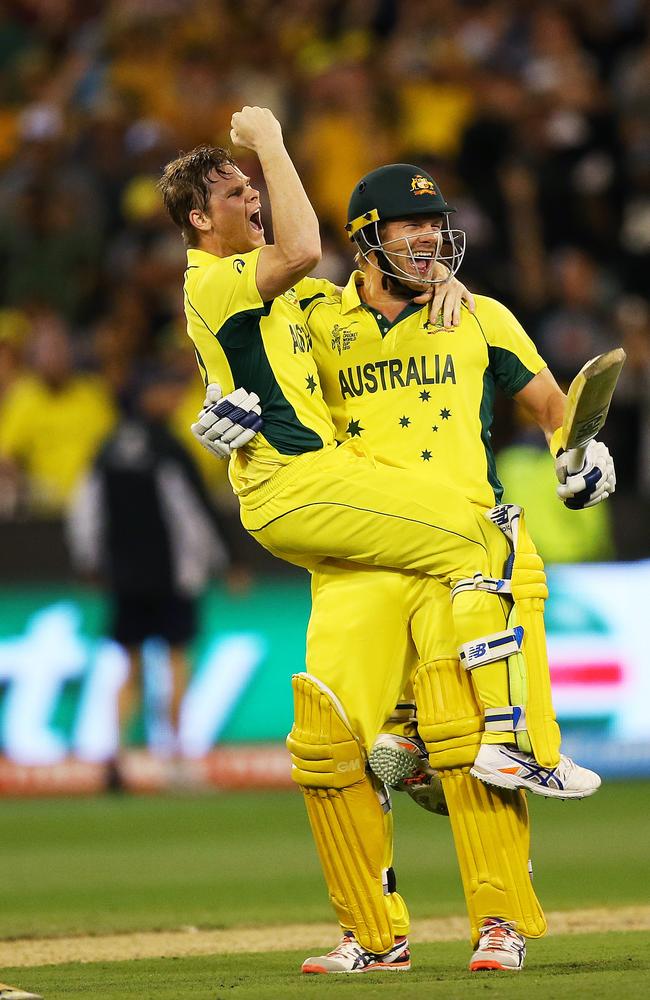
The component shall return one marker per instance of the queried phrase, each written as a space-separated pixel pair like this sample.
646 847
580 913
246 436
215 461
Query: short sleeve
309 290
226 287
513 357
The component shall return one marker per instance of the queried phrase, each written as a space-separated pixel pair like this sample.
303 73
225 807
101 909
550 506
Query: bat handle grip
576 459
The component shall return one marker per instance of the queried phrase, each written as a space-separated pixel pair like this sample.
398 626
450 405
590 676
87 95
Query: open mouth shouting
423 262
255 222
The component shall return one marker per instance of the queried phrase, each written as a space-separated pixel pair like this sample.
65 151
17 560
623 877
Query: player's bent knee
450 720
325 752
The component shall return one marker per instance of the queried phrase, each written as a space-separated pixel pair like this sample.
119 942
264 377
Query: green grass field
594 967
91 866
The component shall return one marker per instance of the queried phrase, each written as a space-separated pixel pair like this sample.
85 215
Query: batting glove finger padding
213 394
230 422
595 481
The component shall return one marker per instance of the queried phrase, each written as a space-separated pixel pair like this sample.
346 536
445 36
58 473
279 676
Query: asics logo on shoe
531 770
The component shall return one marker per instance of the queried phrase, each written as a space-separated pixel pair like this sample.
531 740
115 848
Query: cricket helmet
400 191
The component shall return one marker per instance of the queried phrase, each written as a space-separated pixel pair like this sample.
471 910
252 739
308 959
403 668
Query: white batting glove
595 481
227 422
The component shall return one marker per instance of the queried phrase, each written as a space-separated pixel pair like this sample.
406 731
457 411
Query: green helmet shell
394 192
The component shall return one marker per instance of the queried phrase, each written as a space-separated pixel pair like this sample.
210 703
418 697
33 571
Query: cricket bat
588 401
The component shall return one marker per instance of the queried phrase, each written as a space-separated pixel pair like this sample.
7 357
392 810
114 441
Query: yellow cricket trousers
339 503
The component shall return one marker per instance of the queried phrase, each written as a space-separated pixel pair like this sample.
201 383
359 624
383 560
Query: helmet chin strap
391 282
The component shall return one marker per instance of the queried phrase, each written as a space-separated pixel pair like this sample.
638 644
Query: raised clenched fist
254 128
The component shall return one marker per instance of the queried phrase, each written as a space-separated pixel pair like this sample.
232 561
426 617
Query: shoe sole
490 965
319 970
394 764
507 781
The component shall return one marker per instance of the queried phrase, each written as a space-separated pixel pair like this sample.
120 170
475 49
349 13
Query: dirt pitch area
289 937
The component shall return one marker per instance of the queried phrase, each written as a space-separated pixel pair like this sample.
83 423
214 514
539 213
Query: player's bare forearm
295 226
296 248
544 401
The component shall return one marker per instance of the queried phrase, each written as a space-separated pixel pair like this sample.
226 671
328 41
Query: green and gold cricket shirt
264 347
416 395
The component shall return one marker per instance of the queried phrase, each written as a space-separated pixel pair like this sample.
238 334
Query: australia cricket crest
422 185
342 339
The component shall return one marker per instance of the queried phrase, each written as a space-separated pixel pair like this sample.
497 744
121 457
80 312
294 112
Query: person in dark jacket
143 523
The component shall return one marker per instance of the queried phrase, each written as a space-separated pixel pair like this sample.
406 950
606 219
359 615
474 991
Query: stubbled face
412 246
234 213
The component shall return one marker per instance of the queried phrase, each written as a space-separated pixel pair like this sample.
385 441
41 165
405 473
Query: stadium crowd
534 118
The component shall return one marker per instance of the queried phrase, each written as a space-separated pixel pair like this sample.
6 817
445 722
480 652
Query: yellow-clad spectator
341 139
436 134
75 409
14 326
434 90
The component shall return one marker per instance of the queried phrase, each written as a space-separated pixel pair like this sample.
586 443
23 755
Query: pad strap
491 648
511 718
492 584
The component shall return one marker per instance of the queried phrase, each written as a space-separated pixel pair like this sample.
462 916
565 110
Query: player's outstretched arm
296 248
544 402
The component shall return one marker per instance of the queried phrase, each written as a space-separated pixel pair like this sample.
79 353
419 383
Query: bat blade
589 397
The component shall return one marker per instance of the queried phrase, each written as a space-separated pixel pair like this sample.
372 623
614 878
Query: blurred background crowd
535 119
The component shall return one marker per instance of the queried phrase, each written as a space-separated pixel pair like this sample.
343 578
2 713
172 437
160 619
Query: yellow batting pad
449 718
492 838
348 827
529 591
324 751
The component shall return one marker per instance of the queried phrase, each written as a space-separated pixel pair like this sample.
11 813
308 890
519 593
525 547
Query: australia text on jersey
393 373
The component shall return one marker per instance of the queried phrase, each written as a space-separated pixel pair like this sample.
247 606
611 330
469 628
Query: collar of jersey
350 299
196 256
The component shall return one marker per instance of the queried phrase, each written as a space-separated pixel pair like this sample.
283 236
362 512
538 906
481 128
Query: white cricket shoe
499 947
402 763
507 767
350 956
13 993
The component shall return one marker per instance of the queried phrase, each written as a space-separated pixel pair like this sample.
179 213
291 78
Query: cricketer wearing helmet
421 397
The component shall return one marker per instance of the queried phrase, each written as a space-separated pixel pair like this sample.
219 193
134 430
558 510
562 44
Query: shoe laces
347 947
565 766
499 935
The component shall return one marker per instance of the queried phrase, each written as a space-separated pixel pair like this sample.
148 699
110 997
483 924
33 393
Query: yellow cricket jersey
418 396
264 347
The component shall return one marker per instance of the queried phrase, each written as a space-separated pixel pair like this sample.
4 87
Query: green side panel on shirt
511 375
486 414
509 372
241 340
